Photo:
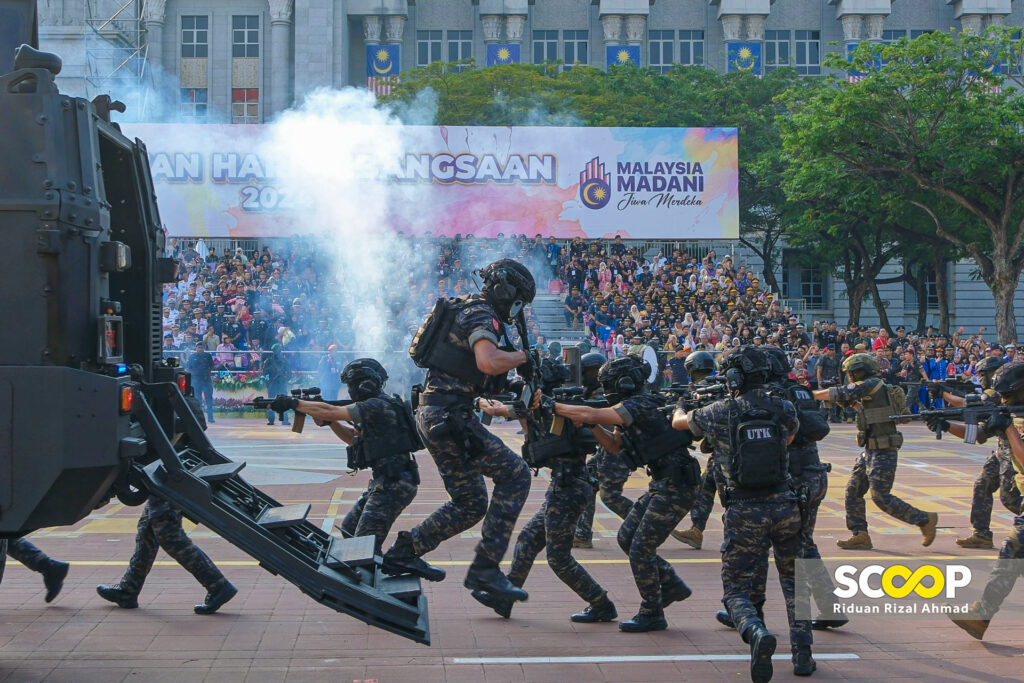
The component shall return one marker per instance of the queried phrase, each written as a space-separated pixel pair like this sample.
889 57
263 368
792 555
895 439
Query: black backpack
760 457
813 425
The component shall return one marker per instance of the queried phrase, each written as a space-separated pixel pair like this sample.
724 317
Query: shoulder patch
851 386
497 325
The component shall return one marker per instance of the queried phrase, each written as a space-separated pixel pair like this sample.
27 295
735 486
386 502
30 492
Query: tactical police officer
278 371
750 432
608 469
563 451
700 365
383 440
645 439
465 346
160 526
997 472
1008 381
53 571
809 478
875 468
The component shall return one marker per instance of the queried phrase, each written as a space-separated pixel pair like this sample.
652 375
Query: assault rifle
308 394
695 396
971 416
936 387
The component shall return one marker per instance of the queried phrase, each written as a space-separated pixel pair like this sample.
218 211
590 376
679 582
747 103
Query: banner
383 64
622 55
744 57
503 53
642 183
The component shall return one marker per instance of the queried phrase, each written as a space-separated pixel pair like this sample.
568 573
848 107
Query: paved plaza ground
271 632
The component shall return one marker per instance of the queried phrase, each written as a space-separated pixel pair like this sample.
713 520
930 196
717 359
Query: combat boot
762 647
723 618
216 599
975 541
975 627
803 662
823 623
859 541
501 606
644 621
928 529
401 558
674 591
53 578
118 596
582 543
490 579
692 537
601 609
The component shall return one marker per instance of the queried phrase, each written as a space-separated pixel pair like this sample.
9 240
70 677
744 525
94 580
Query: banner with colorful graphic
744 57
647 183
503 53
383 64
623 55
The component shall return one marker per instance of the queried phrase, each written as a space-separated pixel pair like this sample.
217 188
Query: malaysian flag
383 63
855 77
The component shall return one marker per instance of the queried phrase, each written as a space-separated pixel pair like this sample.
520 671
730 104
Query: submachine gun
309 394
971 415
89 409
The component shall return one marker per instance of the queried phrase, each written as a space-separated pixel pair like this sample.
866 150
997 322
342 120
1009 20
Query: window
812 287
245 36
661 49
776 50
428 47
460 46
691 47
918 32
931 292
245 105
808 52
891 36
577 44
194 36
193 103
545 46
1010 64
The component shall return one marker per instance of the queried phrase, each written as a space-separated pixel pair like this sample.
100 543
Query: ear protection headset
364 377
740 365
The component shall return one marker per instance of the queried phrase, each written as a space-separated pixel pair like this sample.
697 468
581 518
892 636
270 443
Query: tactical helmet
508 286
699 365
745 367
860 366
364 378
779 362
1009 379
986 367
590 364
622 377
552 374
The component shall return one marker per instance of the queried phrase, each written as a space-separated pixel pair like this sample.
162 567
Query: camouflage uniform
29 555
701 509
753 526
611 474
657 512
875 468
567 495
996 475
160 525
465 452
395 478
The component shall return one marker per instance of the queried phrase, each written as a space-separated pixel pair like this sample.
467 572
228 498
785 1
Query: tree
926 123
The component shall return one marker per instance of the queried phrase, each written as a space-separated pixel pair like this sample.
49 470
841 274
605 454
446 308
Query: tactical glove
282 403
998 423
936 423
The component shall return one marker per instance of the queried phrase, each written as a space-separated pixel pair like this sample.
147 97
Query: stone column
514 25
153 16
491 24
611 26
732 26
754 25
971 23
996 20
636 26
873 26
281 12
394 28
852 26
372 25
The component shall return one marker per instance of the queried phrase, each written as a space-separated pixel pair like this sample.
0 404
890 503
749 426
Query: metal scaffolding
116 52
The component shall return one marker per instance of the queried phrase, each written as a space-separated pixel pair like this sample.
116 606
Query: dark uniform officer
875 468
997 472
608 469
462 343
810 480
160 526
383 441
278 372
53 571
644 439
750 431
700 365
1008 381
551 528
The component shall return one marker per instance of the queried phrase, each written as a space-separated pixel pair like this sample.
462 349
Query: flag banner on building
992 69
503 53
853 76
216 180
622 55
744 57
383 64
